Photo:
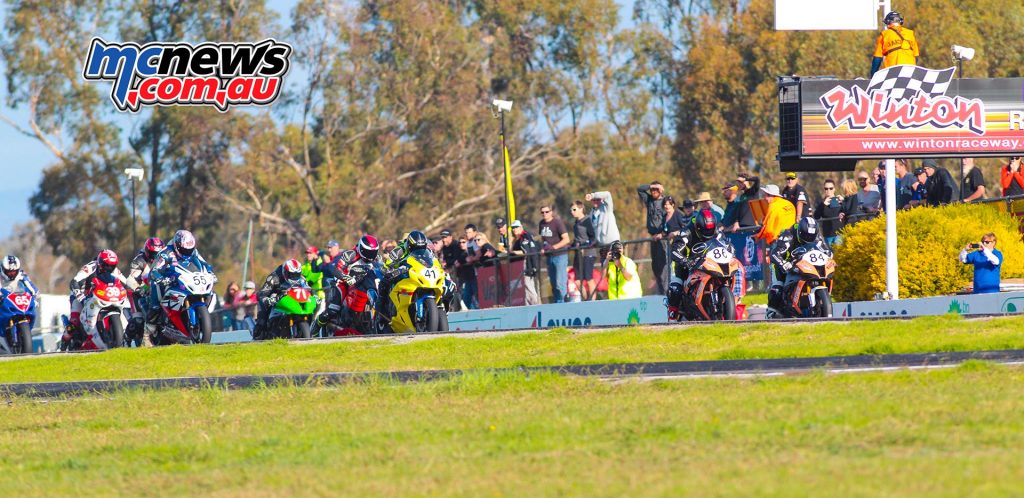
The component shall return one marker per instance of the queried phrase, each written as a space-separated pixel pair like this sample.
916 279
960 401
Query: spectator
941 189
781 215
986 260
467 274
869 199
502 227
228 305
330 262
919 189
524 245
880 184
584 241
895 45
675 222
751 186
1012 178
487 252
555 238
851 209
471 245
652 197
828 211
905 182
314 278
621 274
388 245
703 201
449 250
603 216
436 244
733 207
972 186
796 194
687 211
245 304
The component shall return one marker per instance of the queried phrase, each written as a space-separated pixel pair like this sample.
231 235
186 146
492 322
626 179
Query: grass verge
555 347
944 433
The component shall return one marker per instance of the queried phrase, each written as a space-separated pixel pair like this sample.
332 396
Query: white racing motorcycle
186 300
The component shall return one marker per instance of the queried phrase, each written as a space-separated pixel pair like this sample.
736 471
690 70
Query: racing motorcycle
808 286
292 314
17 317
186 300
103 313
357 295
708 291
419 300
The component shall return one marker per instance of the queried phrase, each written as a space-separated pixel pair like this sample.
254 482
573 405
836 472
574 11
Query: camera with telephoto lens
616 250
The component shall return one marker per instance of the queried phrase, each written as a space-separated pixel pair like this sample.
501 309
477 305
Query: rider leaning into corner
395 267
687 249
182 250
13 278
81 287
365 253
285 276
785 250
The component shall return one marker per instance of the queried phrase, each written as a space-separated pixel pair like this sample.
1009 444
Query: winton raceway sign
910 110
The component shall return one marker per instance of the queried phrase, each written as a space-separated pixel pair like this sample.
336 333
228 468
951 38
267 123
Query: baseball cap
929 163
730 186
249 285
312 250
918 171
687 203
499 222
791 175
517 224
333 243
446 233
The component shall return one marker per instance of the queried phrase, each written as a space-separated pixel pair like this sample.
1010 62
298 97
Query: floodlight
962 53
503 105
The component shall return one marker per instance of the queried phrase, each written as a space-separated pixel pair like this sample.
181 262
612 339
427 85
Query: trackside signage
212 74
910 110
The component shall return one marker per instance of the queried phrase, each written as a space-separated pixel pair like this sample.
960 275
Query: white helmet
11 267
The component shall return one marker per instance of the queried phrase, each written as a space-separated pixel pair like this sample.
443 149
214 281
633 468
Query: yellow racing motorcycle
419 299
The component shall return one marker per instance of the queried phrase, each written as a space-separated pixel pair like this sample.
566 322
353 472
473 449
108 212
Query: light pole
503 106
134 175
960 54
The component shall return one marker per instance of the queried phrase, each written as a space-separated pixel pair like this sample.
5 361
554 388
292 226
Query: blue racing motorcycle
17 317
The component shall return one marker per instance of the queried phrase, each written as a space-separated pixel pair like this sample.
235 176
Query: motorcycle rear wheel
442 320
24 338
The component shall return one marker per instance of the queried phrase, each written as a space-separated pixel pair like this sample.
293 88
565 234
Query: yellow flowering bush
928 243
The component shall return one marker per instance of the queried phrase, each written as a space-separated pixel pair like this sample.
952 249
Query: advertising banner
493 282
750 254
912 111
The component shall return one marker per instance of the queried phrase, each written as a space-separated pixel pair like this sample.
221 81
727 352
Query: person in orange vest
781 215
895 45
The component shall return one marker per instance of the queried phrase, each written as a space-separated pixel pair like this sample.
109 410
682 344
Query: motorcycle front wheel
116 332
726 303
822 303
302 330
203 331
24 338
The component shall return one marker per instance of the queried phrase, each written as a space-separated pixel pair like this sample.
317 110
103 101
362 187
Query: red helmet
367 248
292 269
704 224
153 247
106 261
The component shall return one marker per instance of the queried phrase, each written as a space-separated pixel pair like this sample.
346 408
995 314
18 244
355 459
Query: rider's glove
787 266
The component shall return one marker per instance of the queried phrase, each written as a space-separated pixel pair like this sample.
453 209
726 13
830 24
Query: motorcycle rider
395 268
13 278
138 274
785 251
285 276
364 253
687 249
81 288
181 250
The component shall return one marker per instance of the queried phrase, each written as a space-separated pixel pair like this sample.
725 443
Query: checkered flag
905 81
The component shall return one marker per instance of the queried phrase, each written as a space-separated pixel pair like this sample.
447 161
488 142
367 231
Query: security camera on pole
499 108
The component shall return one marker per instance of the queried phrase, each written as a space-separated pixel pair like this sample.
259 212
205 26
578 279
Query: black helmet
806 230
704 224
893 17
416 240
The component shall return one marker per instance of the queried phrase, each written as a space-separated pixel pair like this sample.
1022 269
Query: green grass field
555 347
950 432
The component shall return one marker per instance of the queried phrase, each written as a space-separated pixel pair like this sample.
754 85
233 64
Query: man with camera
622 275
986 260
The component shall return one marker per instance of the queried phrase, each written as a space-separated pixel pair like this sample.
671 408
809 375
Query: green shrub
928 243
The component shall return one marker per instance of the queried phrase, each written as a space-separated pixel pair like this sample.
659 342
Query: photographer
622 275
986 260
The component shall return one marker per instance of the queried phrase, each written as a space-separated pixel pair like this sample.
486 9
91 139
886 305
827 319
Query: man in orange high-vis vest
896 45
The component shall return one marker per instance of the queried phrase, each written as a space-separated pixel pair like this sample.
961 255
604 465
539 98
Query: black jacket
529 246
941 188
655 211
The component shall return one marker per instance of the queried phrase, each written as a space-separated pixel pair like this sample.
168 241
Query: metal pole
245 261
892 285
135 244
508 215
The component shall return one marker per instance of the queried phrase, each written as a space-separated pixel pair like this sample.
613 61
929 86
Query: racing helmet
11 267
806 230
416 240
153 247
106 261
704 224
291 270
368 248
184 243
893 17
